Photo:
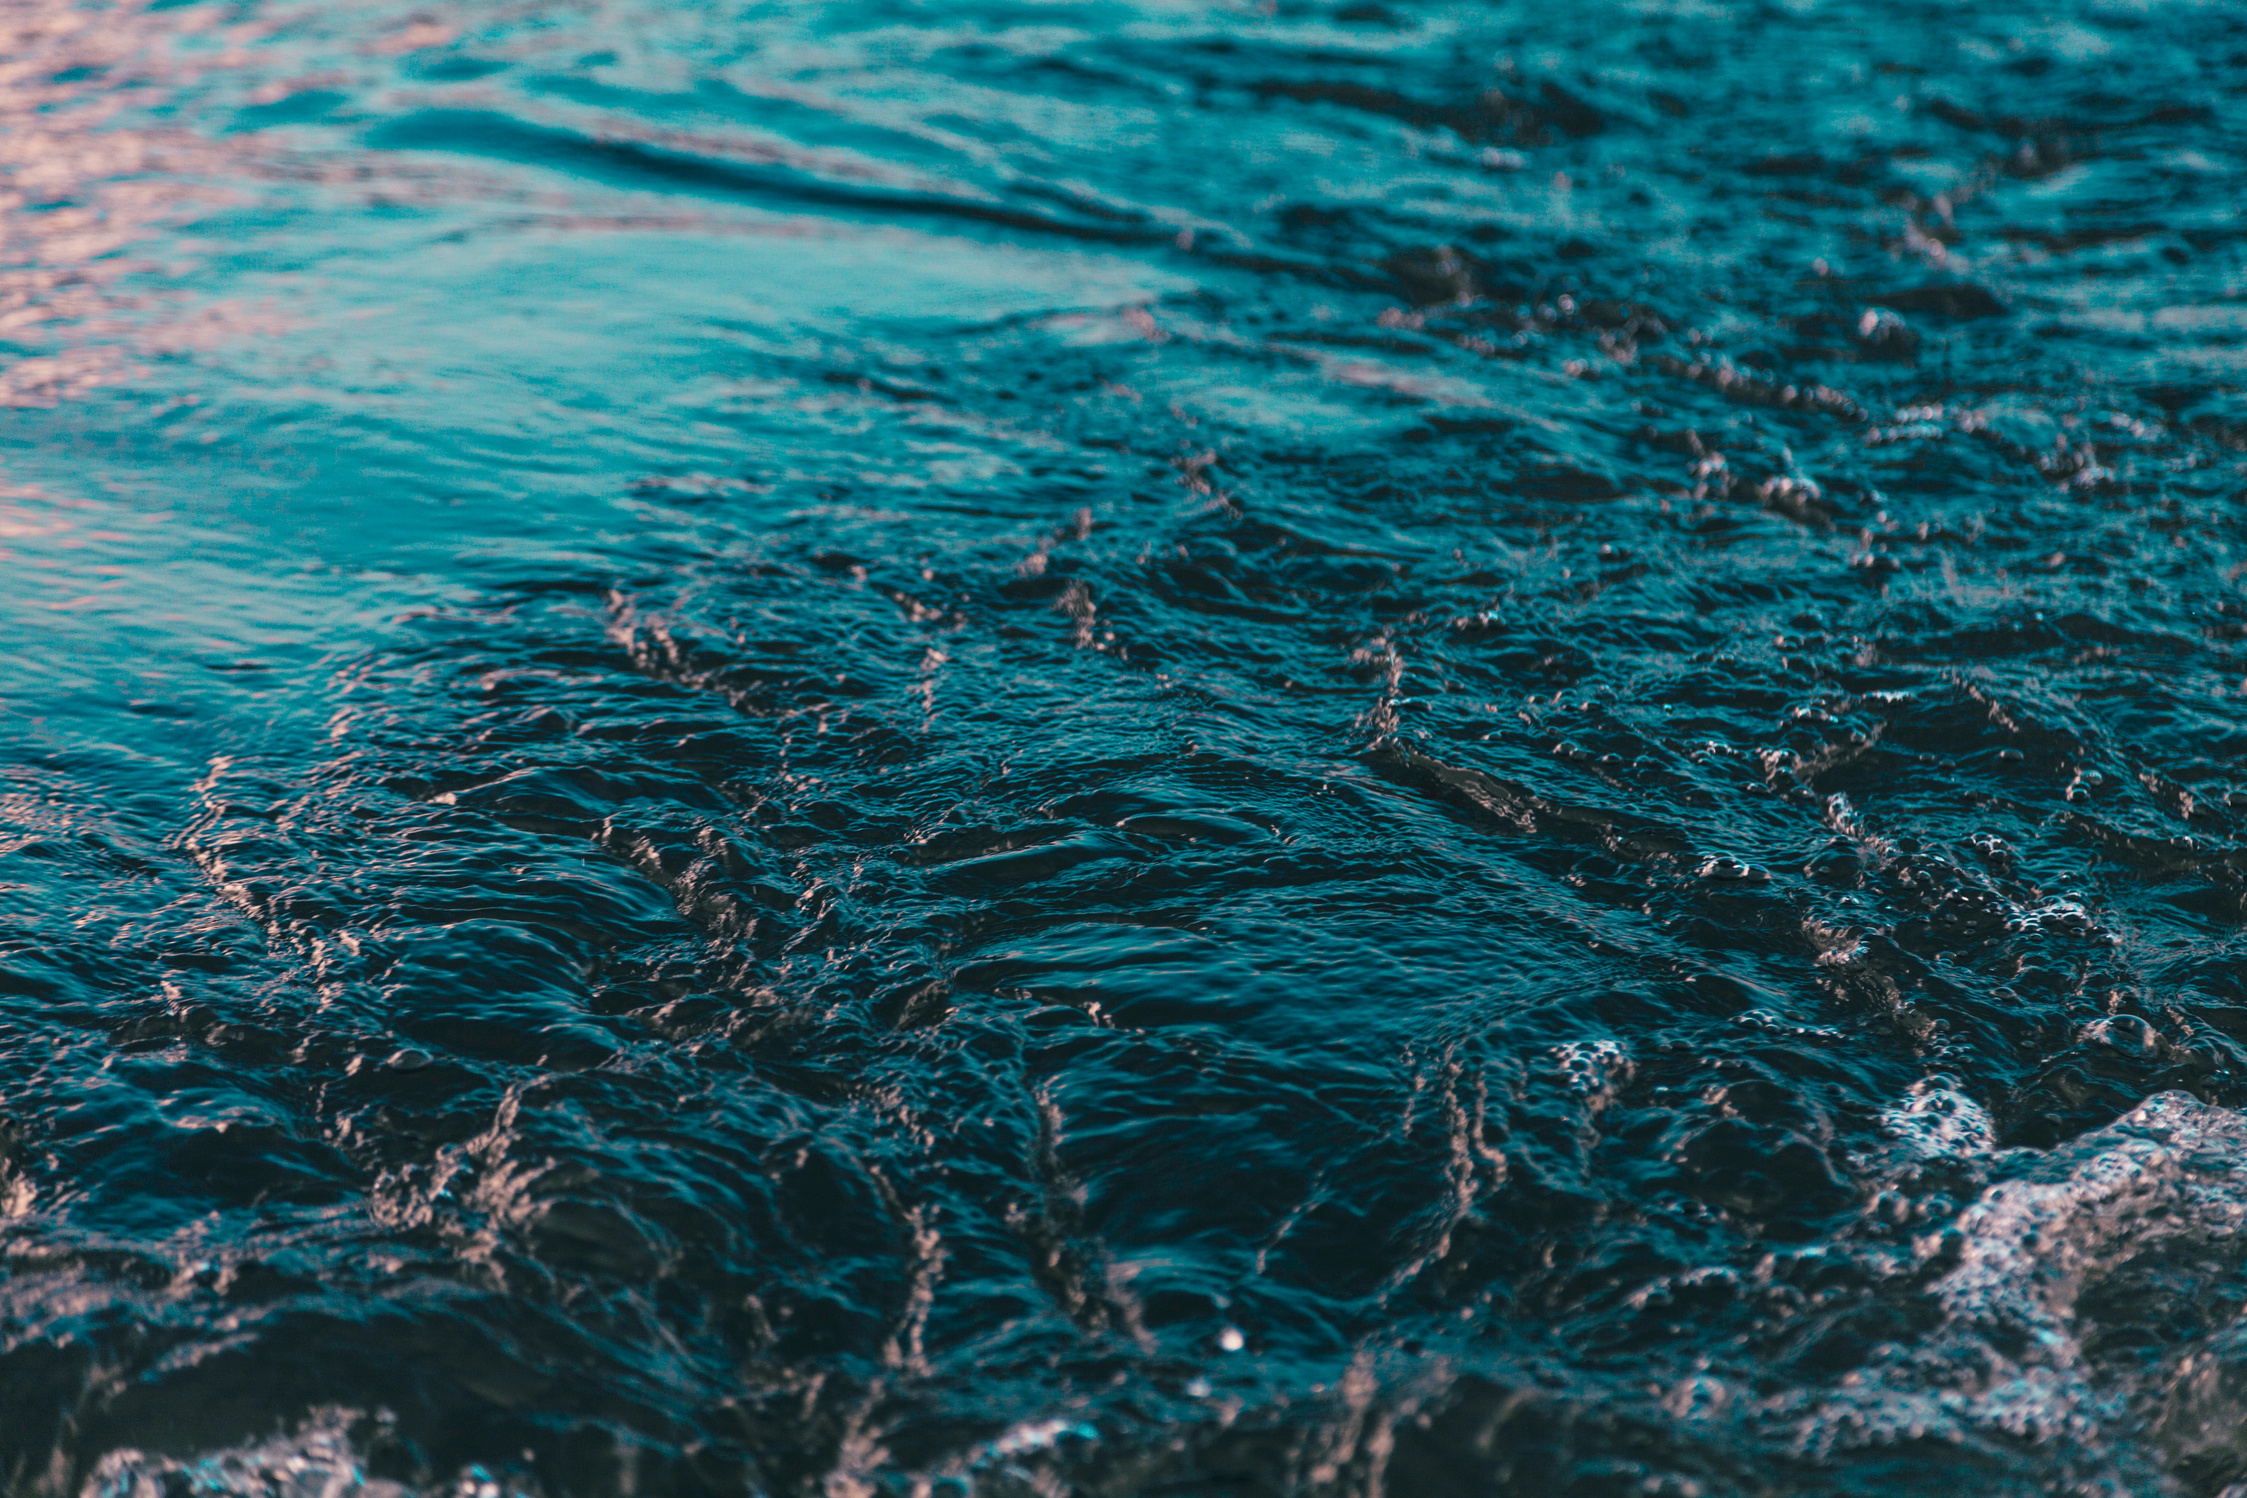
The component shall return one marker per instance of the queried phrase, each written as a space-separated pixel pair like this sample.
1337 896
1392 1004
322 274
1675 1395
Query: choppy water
1112 749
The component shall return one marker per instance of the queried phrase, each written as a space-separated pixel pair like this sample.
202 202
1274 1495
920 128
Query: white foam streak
2005 1365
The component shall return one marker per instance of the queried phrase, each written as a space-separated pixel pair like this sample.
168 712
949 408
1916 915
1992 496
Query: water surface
1092 748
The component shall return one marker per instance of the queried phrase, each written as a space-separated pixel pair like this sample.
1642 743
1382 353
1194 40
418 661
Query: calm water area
1123 749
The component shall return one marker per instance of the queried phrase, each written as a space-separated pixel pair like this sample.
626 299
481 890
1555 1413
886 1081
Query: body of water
1114 749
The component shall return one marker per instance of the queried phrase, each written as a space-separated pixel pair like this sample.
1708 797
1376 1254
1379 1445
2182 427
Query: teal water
1121 749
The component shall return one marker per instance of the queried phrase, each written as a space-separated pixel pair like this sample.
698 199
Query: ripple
1143 748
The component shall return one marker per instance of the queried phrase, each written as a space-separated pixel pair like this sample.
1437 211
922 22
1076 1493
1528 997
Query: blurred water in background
1050 748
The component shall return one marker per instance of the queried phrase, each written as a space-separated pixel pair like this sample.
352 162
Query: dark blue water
1122 749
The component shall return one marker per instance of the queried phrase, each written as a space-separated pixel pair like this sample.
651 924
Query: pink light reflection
80 187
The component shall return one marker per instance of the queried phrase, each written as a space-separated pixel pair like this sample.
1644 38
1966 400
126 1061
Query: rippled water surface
1122 748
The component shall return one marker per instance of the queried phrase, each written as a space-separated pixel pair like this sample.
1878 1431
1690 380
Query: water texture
1122 747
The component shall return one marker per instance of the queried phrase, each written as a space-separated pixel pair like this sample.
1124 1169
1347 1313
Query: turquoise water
1121 749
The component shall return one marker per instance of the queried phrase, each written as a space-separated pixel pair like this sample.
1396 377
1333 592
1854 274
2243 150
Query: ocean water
1122 747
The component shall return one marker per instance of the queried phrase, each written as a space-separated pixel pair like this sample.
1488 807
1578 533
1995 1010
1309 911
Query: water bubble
1724 867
